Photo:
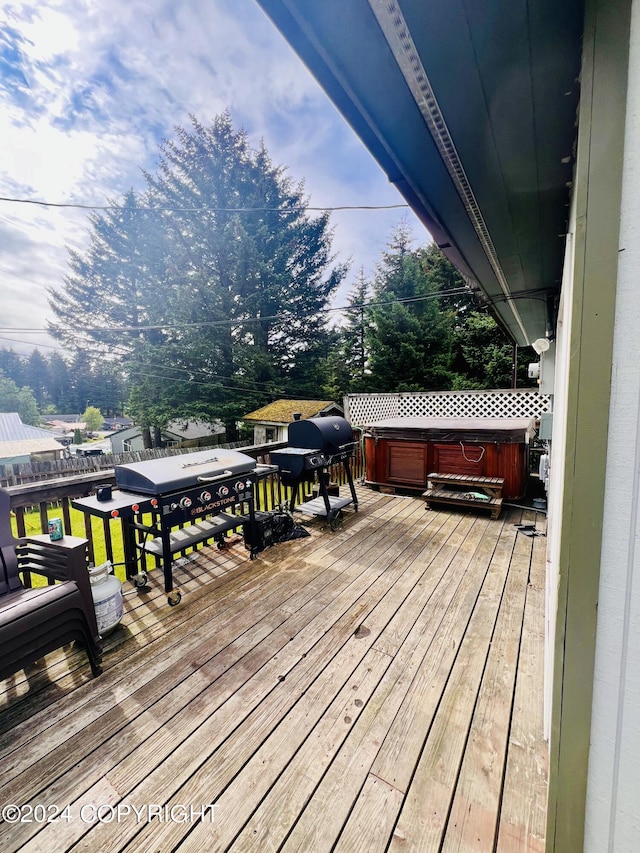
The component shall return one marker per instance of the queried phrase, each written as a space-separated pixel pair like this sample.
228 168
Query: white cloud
93 87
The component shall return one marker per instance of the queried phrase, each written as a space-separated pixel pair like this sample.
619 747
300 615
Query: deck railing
34 503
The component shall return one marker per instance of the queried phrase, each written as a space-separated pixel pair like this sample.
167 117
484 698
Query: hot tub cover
503 430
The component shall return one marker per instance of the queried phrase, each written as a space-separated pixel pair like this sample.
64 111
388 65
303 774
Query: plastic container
106 591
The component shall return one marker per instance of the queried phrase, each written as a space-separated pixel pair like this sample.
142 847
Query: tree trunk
146 437
231 430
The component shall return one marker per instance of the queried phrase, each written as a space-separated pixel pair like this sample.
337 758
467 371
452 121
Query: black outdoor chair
35 621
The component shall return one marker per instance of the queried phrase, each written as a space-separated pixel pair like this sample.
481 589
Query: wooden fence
50 469
52 497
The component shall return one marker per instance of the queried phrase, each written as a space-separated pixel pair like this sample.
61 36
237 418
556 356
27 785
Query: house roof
15 449
119 420
179 429
12 429
188 429
282 411
18 440
470 109
64 418
67 426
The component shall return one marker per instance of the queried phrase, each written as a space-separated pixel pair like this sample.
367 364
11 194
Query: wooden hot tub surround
402 452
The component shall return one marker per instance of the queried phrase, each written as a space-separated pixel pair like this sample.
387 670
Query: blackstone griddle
199 491
171 474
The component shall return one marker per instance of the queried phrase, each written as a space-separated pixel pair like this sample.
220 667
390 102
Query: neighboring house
270 423
513 132
115 424
65 423
65 428
176 432
22 444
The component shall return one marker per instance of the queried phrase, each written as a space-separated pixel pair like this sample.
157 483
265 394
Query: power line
292 209
192 376
455 291
216 385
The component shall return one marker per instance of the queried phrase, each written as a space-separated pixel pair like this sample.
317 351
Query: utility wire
194 376
165 378
281 209
456 291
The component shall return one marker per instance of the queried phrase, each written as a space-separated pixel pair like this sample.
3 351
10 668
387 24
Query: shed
270 423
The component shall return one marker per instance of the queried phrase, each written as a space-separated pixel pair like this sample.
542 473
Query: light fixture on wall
541 345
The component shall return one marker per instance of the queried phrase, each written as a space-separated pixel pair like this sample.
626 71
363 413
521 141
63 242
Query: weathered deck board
101 722
523 809
362 690
229 602
310 680
400 695
425 768
474 812
395 614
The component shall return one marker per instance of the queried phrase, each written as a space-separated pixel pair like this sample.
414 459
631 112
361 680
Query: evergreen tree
349 362
12 366
36 376
484 357
455 295
60 384
228 269
409 336
115 284
100 385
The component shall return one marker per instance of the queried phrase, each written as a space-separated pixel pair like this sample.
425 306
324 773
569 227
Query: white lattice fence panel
369 408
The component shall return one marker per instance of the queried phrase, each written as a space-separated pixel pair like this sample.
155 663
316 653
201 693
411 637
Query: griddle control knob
185 502
205 497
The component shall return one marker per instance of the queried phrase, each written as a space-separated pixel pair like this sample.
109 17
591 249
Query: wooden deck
378 688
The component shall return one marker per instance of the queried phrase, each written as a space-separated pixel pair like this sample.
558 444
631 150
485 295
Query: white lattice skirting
362 409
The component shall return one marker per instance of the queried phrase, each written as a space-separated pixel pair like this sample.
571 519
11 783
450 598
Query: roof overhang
470 109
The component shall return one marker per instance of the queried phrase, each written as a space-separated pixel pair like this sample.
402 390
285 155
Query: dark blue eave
505 76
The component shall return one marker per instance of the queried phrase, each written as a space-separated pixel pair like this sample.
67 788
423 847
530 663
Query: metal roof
470 109
12 429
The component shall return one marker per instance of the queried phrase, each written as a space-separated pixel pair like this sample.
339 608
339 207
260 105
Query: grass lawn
32 527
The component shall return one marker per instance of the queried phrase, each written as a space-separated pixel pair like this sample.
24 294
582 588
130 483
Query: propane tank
106 591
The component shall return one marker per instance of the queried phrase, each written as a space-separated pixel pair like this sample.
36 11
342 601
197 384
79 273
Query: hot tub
402 452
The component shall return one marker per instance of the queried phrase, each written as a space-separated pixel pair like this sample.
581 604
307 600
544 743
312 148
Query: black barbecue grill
314 445
200 490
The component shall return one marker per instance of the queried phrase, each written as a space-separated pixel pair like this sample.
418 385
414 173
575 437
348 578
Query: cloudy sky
88 88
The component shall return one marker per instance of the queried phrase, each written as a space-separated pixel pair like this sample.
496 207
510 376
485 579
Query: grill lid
161 476
328 434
